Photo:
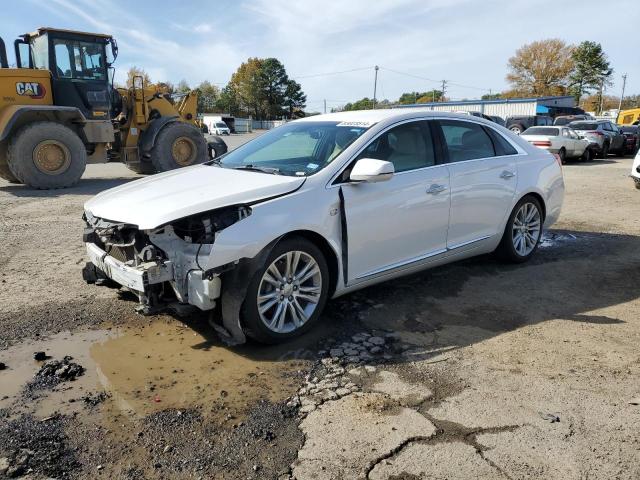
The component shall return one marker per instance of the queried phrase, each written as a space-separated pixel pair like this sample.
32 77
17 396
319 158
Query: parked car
603 135
560 140
219 128
567 119
632 138
635 170
499 120
215 145
491 118
320 207
518 124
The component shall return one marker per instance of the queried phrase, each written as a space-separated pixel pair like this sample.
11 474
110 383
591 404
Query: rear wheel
587 155
178 145
562 153
47 155
523 231
517 129
286 296
605 151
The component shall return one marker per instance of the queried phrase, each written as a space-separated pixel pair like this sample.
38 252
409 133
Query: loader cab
78 64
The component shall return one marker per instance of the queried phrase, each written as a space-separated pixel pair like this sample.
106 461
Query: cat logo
30 89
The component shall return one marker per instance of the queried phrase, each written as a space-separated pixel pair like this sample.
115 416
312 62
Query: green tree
294 99
541 68
245 83
364 104
166 87
491 96
273 82
208 95
137 72
591 70
183 87
420 97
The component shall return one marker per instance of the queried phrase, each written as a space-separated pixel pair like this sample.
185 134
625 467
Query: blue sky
466 42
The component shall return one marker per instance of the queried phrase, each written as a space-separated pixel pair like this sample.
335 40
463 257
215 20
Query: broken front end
161 266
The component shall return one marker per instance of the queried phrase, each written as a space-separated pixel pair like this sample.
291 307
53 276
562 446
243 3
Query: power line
332 73
433 80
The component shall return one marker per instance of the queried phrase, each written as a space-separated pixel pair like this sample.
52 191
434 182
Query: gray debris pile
330 380
63 370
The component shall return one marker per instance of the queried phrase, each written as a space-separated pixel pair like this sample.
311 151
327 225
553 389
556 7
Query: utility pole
325 105
375 86
624 84
444 89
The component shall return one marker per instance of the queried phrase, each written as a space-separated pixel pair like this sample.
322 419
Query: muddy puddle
159 365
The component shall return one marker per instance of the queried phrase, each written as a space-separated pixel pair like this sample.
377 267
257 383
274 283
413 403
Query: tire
517 129
509 248
144 168
604 154
255 324
587 155
178 145
562 153
5 171
47 155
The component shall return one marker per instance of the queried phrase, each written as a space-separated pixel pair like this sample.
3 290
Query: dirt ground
473 370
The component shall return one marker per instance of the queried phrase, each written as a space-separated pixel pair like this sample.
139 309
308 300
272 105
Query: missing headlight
201 228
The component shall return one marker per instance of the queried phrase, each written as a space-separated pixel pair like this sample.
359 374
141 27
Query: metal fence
267 124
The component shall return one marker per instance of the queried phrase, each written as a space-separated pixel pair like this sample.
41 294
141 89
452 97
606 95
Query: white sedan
320 207
562 141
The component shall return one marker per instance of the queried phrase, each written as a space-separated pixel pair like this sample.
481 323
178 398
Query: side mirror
371 170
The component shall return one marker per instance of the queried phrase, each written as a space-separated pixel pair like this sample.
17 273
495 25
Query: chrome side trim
404 263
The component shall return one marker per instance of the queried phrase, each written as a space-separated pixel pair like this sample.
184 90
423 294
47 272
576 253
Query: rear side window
501 144
466 140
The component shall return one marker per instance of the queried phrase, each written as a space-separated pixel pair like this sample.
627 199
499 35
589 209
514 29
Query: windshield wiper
253 168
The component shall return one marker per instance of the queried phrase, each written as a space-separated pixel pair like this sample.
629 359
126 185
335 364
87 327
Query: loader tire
145 168
47 155
5 172
178 145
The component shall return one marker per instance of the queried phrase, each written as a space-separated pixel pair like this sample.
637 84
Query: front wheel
605 151
587 155
523 231
287 295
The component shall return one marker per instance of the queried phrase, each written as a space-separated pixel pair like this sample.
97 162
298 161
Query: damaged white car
317 208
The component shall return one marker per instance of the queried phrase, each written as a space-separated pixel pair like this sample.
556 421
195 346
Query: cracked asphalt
472 370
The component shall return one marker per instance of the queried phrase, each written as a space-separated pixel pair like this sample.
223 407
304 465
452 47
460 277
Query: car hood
158 199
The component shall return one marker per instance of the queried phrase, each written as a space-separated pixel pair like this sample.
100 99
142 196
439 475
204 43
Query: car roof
375 116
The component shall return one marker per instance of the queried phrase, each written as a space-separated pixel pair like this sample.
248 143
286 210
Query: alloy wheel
289 292
526 229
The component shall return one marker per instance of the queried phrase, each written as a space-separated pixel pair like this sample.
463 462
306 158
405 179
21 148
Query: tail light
597 134
542 143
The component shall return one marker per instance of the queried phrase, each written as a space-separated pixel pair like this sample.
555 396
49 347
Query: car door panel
395 222
400 220
482 184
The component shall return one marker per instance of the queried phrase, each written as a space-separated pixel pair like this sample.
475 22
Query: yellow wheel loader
59 111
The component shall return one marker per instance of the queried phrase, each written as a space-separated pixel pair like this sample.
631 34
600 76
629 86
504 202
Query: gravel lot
473 370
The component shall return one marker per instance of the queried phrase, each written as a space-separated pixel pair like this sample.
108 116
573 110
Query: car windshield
297 148
221 125
554 132
583 125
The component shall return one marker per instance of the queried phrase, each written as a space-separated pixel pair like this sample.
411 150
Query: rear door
482 171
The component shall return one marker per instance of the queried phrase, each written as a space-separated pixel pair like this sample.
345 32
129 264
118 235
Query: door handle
506 174
435 189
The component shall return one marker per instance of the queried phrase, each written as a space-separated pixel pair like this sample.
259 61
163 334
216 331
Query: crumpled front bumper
201 292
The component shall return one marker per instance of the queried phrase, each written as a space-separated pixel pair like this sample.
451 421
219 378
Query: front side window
466 140
297 148
80 60
408 146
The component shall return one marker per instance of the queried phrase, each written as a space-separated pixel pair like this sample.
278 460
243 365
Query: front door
403 220
483 182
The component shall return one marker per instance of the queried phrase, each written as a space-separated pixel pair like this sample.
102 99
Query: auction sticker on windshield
355 124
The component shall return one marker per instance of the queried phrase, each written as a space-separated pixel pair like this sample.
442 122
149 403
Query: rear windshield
554 132
562 121
584 125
